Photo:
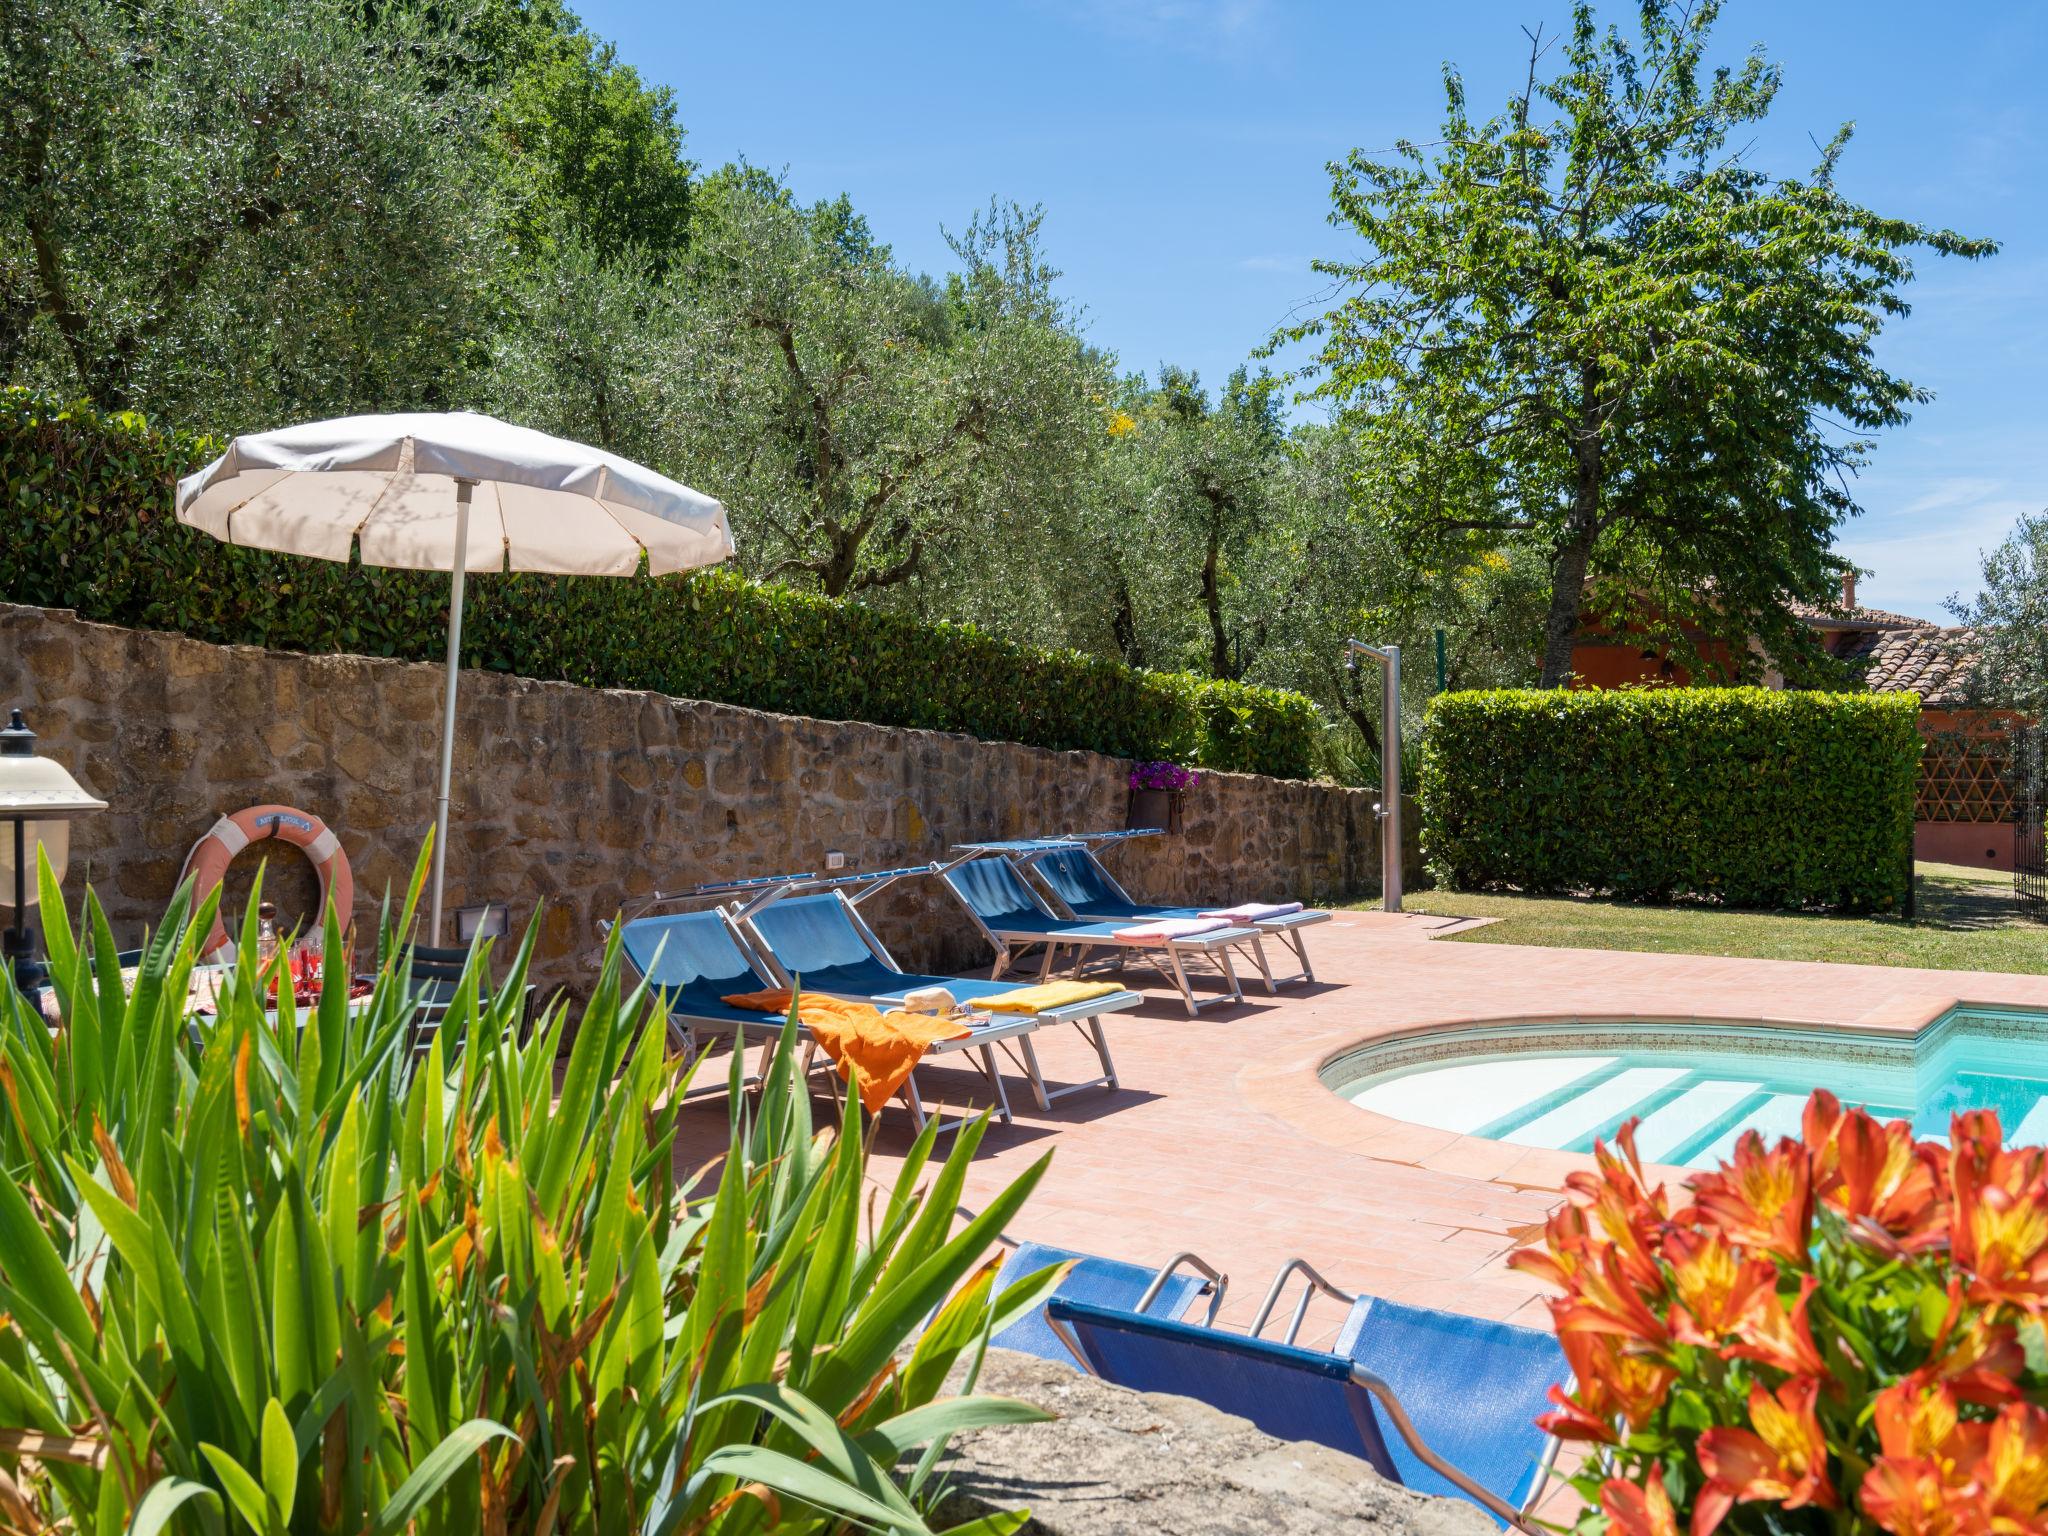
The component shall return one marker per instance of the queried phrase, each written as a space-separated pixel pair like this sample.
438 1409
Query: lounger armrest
1485 1498
1218 1282
1312 1283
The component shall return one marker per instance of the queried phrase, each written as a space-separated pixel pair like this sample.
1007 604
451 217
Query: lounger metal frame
1086 1017
1313 1283
1286 928
1179 954
1214 1282
683 1027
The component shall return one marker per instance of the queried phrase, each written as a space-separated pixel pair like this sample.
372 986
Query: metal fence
2030 807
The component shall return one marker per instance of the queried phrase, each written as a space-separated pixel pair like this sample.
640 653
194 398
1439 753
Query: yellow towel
1048 995
876 1051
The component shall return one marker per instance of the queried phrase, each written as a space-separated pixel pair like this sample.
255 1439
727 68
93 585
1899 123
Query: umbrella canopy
386 485
453 492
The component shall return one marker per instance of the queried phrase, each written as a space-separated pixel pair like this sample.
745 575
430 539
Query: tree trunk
1567 593
1575 555
836 574
1212 603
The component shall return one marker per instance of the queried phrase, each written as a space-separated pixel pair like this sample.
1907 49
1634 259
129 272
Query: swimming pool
1697 1087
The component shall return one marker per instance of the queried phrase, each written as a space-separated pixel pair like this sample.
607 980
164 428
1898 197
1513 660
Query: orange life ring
211 855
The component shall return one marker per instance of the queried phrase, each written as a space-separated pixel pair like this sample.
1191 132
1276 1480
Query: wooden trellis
1966 775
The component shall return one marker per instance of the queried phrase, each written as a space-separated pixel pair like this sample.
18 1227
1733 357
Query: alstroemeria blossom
1784 1458
1838 1323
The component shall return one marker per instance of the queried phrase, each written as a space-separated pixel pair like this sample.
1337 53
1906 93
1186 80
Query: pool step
1672 1127
1474 1096
1596 1111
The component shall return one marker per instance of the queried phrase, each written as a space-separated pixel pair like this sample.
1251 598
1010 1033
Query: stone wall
585 801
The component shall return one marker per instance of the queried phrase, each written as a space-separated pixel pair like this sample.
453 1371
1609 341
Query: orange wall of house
1623 665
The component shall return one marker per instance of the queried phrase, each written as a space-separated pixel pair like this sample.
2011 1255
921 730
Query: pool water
1695 1092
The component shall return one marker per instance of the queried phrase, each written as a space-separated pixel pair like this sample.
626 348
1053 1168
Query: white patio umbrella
454 492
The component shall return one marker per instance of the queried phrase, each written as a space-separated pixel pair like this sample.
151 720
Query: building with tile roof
1965 812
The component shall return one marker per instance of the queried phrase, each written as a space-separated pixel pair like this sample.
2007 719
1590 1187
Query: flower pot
1158 808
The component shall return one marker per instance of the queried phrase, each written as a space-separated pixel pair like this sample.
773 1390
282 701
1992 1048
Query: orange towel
876 1051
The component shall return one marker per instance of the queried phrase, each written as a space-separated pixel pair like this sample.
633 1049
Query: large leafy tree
868 425
227 213
1189 496
1605 334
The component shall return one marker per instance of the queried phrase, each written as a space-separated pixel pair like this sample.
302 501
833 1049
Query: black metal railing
2030 808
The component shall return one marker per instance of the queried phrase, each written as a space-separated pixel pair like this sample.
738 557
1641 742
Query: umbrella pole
462 493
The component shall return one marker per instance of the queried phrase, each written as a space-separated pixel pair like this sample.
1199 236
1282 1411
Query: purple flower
1170 776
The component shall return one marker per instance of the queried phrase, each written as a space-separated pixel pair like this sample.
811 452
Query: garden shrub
87 518
281 1274
1745 795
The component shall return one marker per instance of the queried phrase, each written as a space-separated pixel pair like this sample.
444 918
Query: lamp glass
53 837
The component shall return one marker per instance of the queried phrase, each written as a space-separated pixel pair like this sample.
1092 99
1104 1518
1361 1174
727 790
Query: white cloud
1931 548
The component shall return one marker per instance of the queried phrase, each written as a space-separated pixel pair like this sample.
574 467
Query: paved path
1222 1139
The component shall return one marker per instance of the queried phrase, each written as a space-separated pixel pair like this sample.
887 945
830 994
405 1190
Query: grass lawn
1968 920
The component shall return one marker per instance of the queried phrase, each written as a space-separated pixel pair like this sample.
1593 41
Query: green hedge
86 522
1744 795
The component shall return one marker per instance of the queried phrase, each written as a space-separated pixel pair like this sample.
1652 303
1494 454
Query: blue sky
1179 149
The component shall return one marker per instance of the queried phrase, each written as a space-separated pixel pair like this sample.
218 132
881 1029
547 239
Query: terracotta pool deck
1222 1139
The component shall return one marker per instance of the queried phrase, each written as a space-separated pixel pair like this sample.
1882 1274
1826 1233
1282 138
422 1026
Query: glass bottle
266 935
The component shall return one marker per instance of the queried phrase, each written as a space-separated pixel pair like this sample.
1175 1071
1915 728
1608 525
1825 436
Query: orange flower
1639 1511
1880 1174
1783 1457
1762 1200
1780 1338
1917 1420
2003 1238
2012 1477
1922 1484
1612 1383
1567 1248
1572 1420
1717 1288
1606 1301
1620 1202
1979 1359
1909 1498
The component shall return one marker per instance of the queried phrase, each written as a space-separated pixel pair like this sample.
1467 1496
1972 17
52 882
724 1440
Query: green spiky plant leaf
285 1270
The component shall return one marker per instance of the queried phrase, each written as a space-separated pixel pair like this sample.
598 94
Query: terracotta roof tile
1935 663
1856 618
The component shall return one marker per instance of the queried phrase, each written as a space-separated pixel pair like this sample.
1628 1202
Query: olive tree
2010 616
227 213
868 425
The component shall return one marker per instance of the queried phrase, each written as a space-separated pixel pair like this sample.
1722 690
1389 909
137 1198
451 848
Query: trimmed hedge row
86 521
1744 795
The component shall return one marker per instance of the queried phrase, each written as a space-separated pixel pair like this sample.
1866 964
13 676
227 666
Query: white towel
1255 911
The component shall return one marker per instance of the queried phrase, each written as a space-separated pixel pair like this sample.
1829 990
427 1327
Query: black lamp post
37 801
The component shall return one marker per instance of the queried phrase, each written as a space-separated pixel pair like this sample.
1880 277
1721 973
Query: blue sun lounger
1455 1390
1110 1283
820 939
1082 884
1016 919
692 960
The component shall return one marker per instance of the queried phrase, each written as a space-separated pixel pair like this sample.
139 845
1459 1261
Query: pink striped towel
1254 911
1174 928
